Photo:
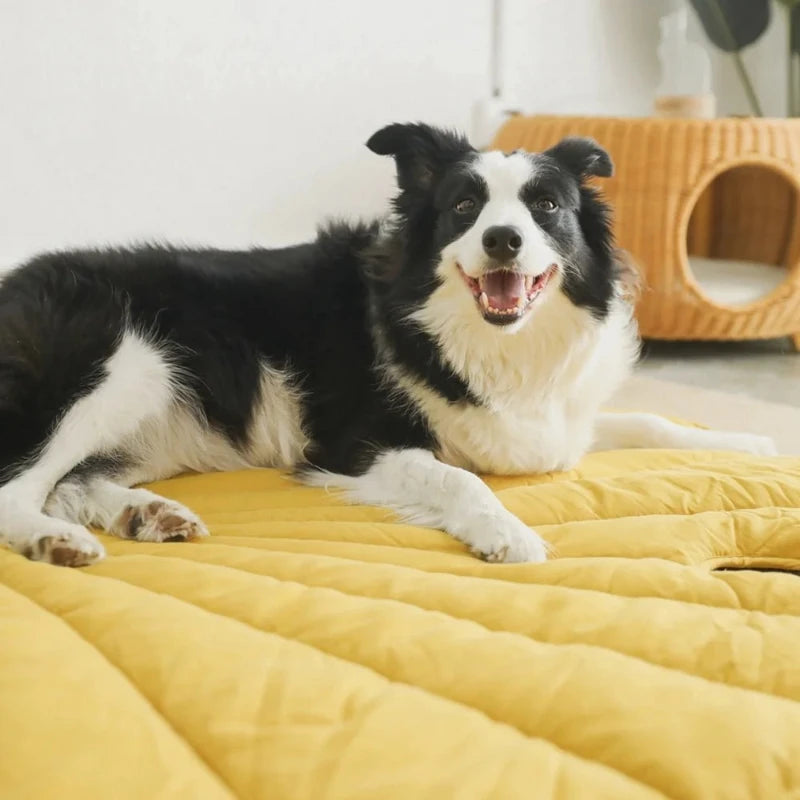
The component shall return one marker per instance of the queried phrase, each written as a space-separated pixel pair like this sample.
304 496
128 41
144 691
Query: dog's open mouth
504 295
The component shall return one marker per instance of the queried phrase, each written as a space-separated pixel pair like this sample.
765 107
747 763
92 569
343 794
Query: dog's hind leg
128 513
617 431
137 385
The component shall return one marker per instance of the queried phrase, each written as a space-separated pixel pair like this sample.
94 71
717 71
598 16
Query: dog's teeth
521 303
528 282
484 301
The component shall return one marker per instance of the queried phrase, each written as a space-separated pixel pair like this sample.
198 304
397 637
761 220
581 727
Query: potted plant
732 25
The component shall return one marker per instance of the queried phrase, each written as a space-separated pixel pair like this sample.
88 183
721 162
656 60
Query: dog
478 328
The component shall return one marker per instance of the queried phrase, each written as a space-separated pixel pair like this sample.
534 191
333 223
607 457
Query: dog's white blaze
504 177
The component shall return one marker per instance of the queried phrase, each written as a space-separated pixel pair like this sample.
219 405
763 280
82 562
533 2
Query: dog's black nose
502 242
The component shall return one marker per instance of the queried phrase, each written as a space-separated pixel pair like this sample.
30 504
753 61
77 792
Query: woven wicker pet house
726 189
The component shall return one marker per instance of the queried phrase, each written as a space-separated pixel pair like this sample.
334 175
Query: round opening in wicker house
739 233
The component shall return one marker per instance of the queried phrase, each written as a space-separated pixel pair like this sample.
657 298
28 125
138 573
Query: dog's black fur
313 310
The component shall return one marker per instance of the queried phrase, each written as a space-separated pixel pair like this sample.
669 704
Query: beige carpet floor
715 409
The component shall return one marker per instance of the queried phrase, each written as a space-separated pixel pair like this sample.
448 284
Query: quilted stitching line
394 680
260 631
499 631
507 575
136 689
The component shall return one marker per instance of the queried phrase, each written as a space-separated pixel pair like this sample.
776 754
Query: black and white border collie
478 328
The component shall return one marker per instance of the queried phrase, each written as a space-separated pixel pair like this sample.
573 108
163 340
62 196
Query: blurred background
241 122
232 122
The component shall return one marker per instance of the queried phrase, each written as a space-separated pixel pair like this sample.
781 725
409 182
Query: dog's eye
545 204
464 206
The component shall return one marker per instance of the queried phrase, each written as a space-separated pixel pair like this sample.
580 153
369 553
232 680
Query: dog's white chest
541 396
507 443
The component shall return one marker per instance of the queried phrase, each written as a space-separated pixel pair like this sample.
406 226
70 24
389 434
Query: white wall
233 122
584 56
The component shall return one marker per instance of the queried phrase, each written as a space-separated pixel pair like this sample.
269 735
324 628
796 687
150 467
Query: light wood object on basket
721 188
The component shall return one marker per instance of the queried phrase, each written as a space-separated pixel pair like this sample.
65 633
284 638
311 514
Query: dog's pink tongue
503 288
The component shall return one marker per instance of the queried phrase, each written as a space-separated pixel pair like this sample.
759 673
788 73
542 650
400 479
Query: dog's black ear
420 151
582 157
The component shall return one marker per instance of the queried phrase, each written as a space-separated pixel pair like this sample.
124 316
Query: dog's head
509 229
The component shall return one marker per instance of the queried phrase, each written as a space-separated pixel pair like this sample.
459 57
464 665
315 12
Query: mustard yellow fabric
311 649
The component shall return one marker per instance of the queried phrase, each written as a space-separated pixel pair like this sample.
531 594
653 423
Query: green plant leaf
733 24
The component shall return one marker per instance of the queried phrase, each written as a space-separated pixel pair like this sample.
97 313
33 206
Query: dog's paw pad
493 557
159 521
68 549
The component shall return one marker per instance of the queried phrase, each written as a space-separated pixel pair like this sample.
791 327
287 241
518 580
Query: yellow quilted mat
311 649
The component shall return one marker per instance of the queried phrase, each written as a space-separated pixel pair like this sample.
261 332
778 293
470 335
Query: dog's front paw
504 538
747 443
